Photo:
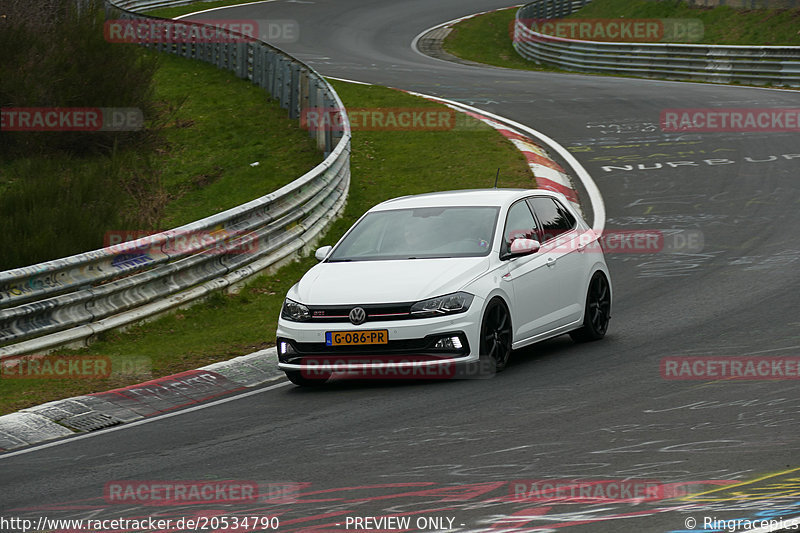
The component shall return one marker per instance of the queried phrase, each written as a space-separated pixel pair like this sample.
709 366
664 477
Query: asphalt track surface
600 411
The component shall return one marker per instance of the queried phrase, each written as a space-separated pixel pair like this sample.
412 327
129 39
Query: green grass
210 127
487 38
222 126
723 24
384 164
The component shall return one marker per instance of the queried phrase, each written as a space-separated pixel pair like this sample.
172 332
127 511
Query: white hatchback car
422 285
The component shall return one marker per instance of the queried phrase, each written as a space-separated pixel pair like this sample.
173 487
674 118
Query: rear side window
554 217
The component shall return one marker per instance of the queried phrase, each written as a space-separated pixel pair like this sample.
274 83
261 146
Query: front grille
341 313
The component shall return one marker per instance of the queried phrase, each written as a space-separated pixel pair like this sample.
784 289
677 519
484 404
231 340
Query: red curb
550 185
171 392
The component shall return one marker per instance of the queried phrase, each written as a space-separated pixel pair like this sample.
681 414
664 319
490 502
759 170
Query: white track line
220 8
595 198
415 40
123 427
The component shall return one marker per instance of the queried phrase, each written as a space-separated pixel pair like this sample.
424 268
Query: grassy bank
488 38
208 129
384 164
222 126
723 24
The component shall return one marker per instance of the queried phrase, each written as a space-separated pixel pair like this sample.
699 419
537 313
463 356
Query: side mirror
323 252
524 247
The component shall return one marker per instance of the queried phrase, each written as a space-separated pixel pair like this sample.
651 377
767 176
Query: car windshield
421 233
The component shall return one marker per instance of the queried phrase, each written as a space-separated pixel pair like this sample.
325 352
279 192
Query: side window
554 217
519 224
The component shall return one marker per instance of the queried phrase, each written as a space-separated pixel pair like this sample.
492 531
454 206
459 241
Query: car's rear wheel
597 312
298 378
495 349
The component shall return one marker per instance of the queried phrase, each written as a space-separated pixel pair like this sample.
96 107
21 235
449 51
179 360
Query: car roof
465 197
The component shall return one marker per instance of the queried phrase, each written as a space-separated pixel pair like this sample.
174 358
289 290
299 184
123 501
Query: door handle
551 261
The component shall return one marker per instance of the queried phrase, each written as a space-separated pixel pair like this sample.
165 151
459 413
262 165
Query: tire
297 377
597 312
496 334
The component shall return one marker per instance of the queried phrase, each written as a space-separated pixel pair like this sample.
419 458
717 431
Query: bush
55 55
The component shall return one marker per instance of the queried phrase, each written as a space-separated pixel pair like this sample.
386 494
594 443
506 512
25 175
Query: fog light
448 343
285 348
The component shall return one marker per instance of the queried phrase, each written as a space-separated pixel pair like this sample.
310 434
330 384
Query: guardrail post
312 102
270 79
251 60
328 104
286 83
319 101
277 90
241 59
233 57
295 96
259 68
303 89
220 51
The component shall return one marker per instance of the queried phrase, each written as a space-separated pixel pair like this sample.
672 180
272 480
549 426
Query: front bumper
411 344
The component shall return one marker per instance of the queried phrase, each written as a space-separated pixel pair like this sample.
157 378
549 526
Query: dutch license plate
356 338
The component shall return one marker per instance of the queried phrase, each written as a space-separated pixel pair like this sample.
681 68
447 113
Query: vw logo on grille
358 316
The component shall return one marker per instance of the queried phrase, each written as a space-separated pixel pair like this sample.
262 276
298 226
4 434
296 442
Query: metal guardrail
145 5
758 65
66 301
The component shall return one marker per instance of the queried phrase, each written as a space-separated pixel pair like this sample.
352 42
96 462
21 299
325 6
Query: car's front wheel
597 312
298 378
495 349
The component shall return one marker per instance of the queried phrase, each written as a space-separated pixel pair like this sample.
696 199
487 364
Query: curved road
459 450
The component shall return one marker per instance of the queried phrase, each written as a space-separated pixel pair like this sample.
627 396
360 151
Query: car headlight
296 312
457 302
